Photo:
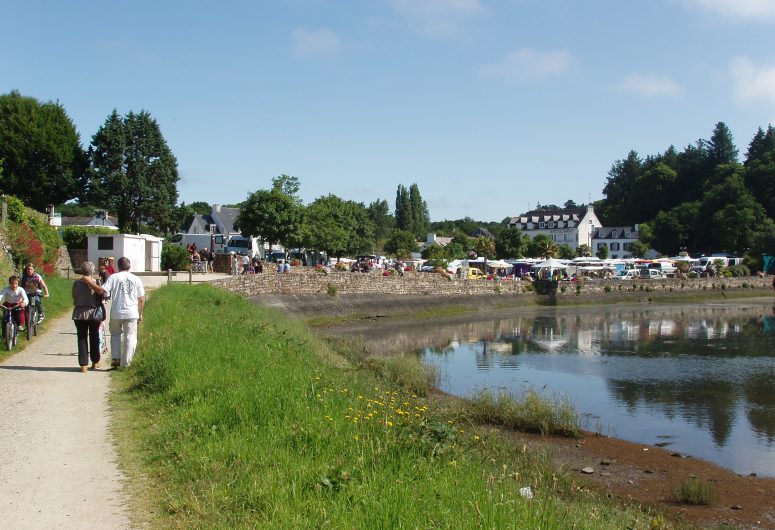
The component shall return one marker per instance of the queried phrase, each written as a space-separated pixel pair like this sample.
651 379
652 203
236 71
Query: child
13 296
35 286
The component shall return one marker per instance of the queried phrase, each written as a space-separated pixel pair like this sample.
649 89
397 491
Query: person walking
88 314
127 296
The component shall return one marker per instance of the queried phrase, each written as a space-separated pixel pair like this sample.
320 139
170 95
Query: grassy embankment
233 417
60 301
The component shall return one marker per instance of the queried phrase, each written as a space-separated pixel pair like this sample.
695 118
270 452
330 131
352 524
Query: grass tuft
531 412
694 492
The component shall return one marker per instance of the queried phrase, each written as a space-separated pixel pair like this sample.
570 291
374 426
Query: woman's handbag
98 315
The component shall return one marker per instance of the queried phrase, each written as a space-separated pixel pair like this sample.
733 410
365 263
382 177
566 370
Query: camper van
245 245
201 241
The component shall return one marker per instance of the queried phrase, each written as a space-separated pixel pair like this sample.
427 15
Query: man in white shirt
126 310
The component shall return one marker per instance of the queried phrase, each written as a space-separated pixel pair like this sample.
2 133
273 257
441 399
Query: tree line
128 167
701 199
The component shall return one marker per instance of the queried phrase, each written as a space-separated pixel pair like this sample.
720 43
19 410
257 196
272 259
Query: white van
245 245
200 240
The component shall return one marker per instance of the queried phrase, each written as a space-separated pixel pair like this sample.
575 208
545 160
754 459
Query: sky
489 106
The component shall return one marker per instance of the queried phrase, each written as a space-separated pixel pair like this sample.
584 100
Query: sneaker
84 369
94 366
41 317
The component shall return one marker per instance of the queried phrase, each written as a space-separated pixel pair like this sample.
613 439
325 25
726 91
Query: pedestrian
245 264
234 264
210 260
204 255
109 266
88 314
127 296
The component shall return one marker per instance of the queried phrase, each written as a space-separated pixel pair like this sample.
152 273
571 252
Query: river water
698 379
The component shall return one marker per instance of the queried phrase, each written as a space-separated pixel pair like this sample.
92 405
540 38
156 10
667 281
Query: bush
75 237
175 257
738 271
331 289
17 213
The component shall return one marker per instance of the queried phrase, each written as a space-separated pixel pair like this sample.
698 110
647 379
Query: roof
108 222
543 216
228 216
622 232
482 232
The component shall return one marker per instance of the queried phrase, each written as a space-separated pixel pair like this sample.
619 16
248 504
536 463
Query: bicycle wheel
9 332
35 321
28 317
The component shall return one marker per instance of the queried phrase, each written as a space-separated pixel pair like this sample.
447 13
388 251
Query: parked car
651 274
628 274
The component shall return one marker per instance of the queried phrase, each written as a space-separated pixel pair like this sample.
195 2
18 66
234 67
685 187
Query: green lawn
234 417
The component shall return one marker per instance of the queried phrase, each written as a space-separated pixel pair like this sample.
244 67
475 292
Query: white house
618 239
143 251
569 226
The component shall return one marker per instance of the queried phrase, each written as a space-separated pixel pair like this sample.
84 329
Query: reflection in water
704 374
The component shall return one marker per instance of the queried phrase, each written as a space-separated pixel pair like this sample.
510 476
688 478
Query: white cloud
438 18
527 64
740 9
315 42
752 83
650 85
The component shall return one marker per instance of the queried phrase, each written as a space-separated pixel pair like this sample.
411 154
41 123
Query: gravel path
58 464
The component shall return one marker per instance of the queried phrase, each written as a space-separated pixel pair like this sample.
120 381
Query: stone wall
306 281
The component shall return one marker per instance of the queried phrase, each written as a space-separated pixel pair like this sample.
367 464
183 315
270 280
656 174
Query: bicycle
10 329
32 316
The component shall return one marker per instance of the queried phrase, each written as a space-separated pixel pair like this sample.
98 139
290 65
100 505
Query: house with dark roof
481 232
569 226
100 219
618 239
221 220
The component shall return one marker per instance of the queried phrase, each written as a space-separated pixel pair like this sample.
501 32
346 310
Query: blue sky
490 106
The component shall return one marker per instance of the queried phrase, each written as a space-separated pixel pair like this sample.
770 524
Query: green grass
530 412
234 417
694 492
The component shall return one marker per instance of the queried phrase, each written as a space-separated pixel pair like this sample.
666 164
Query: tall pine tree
134 173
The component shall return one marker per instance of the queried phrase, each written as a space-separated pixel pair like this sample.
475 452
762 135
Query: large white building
618 239
570 226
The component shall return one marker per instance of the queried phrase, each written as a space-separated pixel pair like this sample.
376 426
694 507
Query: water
697 379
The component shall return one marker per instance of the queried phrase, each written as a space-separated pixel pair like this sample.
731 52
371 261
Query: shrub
607 288
695 492
17 213
175 257
737 271
331 289
25 245
75 237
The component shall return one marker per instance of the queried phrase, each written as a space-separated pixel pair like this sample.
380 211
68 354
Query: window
105 243
541 225
614 246
551 224
614 234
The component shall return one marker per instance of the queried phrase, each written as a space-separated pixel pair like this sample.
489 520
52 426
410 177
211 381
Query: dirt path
58 465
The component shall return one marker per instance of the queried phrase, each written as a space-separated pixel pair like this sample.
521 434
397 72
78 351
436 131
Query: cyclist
33 283
14 296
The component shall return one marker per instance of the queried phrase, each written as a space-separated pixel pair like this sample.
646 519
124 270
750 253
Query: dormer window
614 234
551 224
542 225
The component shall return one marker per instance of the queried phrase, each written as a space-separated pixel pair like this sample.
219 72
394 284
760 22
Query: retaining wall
308 282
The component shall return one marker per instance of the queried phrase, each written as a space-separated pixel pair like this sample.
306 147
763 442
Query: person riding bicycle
14 296
35 287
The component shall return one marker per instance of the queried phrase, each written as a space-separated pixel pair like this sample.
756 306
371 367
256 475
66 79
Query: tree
272 216
134 173
288 185
510 243
485 246
721 147
584 250
617 189
43 161
602 252
760 169
638 249
411 211
401 244
382 219
565 252
338 227
542 246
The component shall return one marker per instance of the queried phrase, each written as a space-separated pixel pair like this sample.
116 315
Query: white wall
127 245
